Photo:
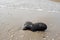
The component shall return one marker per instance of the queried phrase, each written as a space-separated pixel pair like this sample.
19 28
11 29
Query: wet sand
11 24
12 19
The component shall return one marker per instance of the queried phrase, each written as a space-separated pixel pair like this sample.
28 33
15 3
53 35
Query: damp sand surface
13 17
11 25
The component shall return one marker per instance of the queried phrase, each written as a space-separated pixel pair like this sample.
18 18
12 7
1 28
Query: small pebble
46 36
52 39
12 35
